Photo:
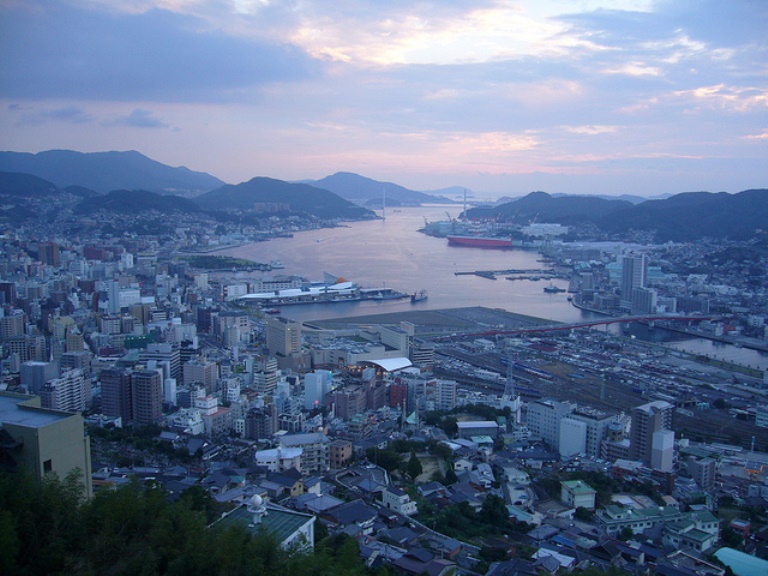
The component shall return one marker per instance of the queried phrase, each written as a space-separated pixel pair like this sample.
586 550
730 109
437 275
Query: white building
577 494
316 449
279 459
395 499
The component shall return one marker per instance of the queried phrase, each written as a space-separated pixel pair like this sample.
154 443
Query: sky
610 97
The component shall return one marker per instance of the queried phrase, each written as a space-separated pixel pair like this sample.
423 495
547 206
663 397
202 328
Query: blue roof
741 563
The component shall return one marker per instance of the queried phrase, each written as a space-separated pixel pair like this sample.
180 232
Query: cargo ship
481 241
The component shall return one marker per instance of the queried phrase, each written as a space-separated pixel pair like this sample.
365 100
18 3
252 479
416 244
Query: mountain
362 190
682 217
136 202
569 210
106 171
299 198
694 215
24 185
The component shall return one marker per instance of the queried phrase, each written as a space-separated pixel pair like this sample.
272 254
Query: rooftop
277 521
13 410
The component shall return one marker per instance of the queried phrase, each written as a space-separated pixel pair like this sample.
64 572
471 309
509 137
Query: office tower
643 301
75 342
634 268
265 376
50 254
445 395
202 371
164 352
69 393
116 396
283 336
596 427
7 293
316 385
147 388
12 325
544 418
79 360
647 419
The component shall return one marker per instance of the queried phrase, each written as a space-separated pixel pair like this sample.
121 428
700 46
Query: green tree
414 466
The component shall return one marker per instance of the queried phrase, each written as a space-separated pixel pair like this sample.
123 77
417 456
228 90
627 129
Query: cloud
152 56
591 130
140 118
727 98
760 136
31 115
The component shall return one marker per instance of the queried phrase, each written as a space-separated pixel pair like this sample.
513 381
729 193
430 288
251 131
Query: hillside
24 185
281 197
682 217
694 215
367 191
542 207
136 202
106 171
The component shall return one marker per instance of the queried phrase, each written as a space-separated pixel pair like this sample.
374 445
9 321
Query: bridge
574 326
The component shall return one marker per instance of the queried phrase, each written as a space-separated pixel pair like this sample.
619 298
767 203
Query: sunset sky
503 97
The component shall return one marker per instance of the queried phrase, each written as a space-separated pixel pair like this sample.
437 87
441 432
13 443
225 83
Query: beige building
44 441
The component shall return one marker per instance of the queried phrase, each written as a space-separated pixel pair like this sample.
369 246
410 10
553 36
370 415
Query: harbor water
392 253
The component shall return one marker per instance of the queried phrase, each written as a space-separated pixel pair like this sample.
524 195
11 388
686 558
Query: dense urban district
160 414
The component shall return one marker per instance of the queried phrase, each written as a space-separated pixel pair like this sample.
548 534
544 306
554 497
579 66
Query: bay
392 253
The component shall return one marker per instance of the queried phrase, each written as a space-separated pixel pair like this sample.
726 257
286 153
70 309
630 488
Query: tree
582 514
414 468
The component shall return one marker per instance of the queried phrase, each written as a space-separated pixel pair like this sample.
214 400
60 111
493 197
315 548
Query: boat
419 296
552 289
480 241
271 311
276 265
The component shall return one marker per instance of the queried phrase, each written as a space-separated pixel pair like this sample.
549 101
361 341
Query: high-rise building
316 385
265 376
643 301
50 254
634 268
35 375
647 419
80 360
663 450
147 388
164 352
544 418
116 395
283 336
596 427
445 395
69 393
398 394
7 293
703 472
12 325
202 371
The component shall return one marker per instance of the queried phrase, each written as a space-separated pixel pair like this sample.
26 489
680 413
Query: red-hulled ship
481 241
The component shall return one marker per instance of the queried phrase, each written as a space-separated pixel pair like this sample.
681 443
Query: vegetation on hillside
46 528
